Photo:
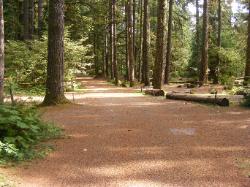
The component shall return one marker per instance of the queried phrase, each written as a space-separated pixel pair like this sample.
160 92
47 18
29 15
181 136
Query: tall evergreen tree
114 38
26 35
140 12
204 52
40 18
216 73
197 34
55 68
127 77
247 69
169 42
145 44
158 66
111 34
28 19
130 44
1 52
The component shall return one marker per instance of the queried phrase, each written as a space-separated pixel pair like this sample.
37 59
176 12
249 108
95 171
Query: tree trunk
247 70
55 69
204 54
106 56
145 44
169 43
197 35
114 43
31 18
140 41
26 35
1 52
216 73
127 58
95 54
134 36
157 82
29 8
40 18
130 44
111 45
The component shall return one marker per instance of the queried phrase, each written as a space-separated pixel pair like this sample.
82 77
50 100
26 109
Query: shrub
26 62
21 129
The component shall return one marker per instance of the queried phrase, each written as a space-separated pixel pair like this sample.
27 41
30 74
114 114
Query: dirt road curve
122 138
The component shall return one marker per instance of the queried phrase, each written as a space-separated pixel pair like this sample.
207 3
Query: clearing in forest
117 137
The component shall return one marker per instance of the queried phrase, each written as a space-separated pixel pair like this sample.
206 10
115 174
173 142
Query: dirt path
121 138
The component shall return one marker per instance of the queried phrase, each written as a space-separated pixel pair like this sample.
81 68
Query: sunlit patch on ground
183 131
244 165
138 183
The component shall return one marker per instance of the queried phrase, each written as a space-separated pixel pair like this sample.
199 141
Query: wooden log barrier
200 99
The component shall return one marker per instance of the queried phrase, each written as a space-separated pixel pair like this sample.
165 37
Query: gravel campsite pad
118 137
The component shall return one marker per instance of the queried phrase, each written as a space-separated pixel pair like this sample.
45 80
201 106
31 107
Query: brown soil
121 138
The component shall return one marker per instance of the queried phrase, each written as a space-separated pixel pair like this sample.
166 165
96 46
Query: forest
75 70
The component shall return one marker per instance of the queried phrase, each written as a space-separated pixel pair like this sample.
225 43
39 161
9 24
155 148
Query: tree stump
155 92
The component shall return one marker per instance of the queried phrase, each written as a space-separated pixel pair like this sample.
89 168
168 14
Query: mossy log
200 99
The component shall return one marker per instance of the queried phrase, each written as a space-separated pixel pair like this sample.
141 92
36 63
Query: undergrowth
21 133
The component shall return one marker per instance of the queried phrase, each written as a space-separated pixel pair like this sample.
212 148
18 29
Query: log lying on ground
200 99
155 92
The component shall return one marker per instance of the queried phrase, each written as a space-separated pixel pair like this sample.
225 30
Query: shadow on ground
120 138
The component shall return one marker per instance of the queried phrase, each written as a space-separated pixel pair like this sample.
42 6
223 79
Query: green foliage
231 66
20 130
26 62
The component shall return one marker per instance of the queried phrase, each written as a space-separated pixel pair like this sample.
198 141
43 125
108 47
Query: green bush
231 66
21 129
26 62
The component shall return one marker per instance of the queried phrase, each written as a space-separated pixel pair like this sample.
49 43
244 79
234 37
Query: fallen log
200 99
155 92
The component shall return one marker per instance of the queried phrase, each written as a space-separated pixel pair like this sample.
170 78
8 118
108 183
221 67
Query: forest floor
119 137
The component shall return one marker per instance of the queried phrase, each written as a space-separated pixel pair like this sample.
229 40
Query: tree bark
26 35
55 69
134 30
204 54
40 18
115 68
95 54
145 44
197 34
247 69
169 43
127 58
1 52
106 56
130 44
31 18
111 39
216 73
140 41
29 8
157 82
